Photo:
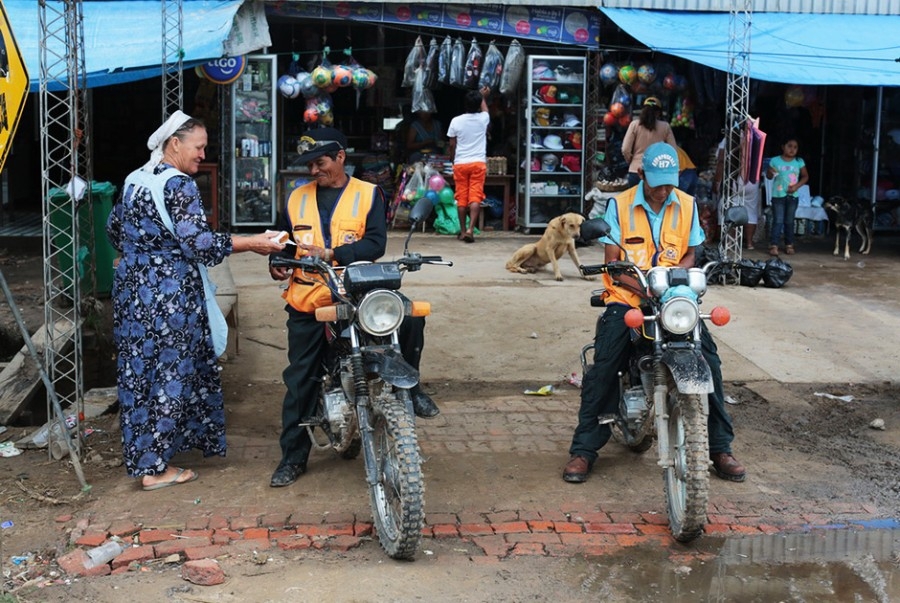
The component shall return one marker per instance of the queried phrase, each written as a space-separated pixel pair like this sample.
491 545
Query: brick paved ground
518 505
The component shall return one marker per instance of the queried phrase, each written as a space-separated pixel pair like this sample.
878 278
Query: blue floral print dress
169 388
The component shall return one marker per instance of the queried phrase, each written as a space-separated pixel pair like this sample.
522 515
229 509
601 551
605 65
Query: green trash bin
95 255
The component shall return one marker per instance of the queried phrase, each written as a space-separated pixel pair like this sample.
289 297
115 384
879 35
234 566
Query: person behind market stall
167 371
425 136
468 134
648 129
341 220
747 195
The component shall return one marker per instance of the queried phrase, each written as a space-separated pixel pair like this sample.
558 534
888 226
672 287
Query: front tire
687 479
398 496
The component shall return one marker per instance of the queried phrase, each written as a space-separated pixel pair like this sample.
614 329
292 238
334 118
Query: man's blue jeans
783 211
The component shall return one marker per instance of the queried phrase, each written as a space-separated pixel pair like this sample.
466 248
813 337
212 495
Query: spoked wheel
687 480
398 496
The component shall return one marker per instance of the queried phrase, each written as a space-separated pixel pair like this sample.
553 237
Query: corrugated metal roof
821 7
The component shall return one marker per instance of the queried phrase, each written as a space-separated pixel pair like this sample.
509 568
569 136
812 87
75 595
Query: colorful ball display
669 82
793 96
436 182
343 76
609 119
308 88
322 76
446 197
646 74
617 109
311 116
627 74
327 118
289 86
608 74
624 120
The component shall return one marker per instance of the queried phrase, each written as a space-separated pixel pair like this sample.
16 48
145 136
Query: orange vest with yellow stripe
307 292
637 239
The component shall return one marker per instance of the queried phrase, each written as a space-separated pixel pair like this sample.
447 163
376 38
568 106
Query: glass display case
254 145
551 176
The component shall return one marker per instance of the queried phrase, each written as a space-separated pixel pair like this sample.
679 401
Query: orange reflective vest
637 239
307 292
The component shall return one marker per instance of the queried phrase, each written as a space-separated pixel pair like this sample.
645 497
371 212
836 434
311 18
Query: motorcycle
364 403
665 381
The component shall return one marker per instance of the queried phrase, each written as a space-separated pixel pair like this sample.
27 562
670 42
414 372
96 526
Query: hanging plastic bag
474 62
431 64
512 68
444 56
414 59
492 69
458 64
422 99
777 273
416 186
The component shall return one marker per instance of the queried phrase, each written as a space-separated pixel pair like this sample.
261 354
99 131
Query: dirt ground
789 355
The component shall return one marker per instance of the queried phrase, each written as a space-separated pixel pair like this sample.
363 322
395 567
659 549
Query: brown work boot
577 469
727 467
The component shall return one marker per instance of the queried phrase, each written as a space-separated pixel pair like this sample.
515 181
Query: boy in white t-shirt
467 135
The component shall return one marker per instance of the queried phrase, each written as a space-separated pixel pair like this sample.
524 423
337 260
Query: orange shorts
468 179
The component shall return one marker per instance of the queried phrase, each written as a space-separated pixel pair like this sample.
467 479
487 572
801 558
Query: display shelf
253 170
551 175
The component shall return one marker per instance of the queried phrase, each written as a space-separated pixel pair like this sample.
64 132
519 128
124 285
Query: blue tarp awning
814 49
123 40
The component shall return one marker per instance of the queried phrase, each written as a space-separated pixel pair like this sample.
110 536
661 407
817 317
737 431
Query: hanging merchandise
474 62
431 64
492 68
323 74
414 59
444 56
288 86
308 88
294 68
458 64
620 102
683 115
627 74
512 68
609 74
342 76
422 99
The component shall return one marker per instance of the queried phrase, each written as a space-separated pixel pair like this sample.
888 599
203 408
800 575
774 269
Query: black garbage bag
776 273
751 272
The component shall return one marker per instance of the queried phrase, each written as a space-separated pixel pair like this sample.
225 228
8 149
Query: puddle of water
821 566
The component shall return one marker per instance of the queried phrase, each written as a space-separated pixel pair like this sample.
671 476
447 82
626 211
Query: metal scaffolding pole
736 114
66 174
172 56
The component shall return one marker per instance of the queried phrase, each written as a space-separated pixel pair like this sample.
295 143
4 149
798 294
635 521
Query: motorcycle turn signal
720 316
634 318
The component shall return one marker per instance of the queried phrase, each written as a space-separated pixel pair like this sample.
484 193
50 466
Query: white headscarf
157 140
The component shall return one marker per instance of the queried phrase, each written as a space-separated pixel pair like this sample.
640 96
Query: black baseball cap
320 141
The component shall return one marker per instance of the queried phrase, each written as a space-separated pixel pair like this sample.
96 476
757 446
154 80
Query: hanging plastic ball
617 109
322 76
669 82
311 116
327 118
436 182
420 192
445 196
308 87
289 86
624 121
610 119
793 96
608 74
343 76
627 74
646 74
432 196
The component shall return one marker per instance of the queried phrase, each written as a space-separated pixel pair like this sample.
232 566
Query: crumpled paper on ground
544 391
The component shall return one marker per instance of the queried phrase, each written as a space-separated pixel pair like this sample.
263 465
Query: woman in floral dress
170 392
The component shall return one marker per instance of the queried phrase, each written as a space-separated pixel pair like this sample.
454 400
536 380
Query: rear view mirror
594 228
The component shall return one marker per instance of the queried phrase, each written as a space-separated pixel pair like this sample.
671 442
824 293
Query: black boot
423 404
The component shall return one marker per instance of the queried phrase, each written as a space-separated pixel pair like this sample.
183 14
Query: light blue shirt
615 233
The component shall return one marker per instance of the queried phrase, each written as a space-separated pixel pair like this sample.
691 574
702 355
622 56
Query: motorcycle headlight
380 312
679 315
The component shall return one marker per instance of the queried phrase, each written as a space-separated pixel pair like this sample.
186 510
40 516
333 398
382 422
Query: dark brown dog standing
558 238
848 215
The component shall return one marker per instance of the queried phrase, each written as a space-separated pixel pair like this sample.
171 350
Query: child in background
789 174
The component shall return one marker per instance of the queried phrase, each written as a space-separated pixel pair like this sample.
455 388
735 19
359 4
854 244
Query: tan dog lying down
558 238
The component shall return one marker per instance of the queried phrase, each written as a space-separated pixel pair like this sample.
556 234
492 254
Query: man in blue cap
659 226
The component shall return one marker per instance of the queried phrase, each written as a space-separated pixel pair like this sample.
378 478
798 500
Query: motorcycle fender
690 371
391 367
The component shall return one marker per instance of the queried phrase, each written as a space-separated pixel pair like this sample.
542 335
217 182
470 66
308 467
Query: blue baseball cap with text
660 164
